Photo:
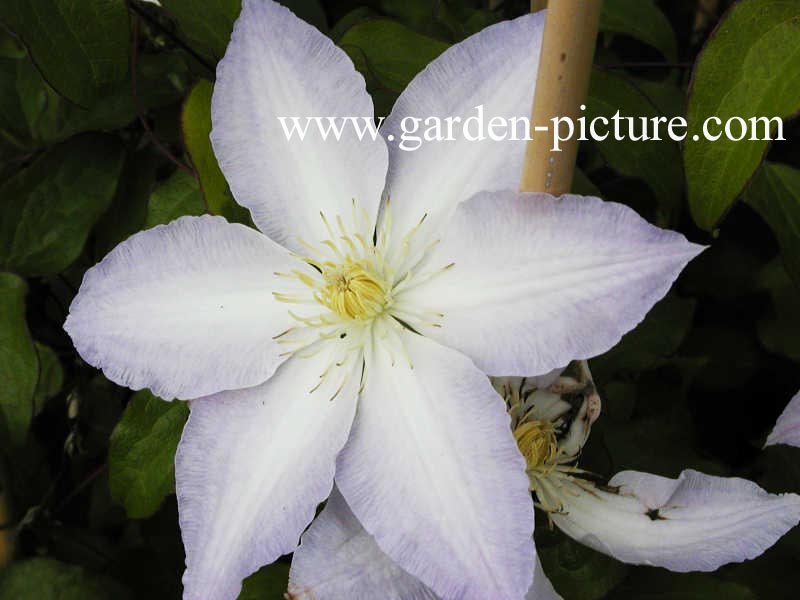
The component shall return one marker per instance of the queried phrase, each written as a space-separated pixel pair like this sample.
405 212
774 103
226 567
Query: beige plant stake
565 64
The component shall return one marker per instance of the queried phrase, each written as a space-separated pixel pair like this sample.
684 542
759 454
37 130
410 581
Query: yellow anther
538 444
353 291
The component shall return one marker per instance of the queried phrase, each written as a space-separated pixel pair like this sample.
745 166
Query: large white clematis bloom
696 522
337 343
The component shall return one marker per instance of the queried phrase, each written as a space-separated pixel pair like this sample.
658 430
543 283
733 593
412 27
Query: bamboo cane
570 32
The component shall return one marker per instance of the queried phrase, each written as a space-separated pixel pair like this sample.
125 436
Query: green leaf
50 207
268 583
80 46
749 68
196 126
9 46
207 24
48 579
362 13
655 162
472 20
389 54
160 81
775 194
423 16
640 19
19 365
33 115
452 21
51 376
576 571
142 452
177 196
14 127
666 96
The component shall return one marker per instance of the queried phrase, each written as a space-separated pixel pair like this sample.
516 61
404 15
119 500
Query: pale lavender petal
339 560
696 522
542 588
277 65
495 69
253 465
787 427
537 281
185 309
432 471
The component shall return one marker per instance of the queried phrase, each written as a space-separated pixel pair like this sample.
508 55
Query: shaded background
104 121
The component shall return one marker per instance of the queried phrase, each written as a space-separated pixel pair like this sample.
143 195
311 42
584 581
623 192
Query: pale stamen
353 286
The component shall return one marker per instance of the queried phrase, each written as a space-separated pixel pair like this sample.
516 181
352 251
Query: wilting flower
349 338
696 522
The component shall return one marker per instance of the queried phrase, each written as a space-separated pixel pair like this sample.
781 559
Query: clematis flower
696 522
347 339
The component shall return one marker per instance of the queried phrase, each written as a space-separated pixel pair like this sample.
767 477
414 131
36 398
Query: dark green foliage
19 368
141 453
79 59
748 69
50 207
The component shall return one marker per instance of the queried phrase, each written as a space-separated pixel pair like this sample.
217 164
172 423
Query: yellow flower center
537 442
354 291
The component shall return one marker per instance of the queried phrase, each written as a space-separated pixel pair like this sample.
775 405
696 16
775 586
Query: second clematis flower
348 339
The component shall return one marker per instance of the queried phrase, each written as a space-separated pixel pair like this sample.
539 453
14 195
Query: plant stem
140 113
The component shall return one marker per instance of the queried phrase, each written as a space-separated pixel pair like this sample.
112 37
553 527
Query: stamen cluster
353 291
537 441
